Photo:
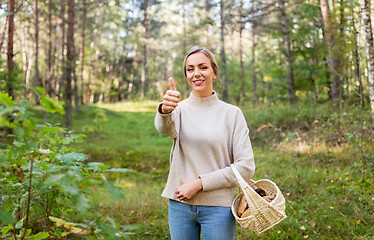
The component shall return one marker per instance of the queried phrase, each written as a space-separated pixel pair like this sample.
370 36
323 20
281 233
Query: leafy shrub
45 184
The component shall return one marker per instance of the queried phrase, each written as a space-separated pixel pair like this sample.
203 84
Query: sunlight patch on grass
124 184
130 106
303 147
291 147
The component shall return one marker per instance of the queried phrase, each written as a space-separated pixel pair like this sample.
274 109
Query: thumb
172 84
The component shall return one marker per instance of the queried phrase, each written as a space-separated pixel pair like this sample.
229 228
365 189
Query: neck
202 95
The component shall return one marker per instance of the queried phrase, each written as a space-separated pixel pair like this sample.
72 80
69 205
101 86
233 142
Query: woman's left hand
189 190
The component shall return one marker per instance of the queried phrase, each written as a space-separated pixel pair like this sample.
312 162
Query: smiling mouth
199 81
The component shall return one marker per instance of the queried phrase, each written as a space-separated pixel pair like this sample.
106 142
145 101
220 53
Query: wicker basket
264 215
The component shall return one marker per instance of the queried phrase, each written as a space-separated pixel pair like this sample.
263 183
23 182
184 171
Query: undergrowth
311 151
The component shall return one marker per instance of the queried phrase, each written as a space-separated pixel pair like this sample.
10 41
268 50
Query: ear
214 77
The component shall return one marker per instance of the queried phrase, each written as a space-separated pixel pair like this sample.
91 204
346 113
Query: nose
197 73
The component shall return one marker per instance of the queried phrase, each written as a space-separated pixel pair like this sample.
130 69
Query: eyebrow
190 65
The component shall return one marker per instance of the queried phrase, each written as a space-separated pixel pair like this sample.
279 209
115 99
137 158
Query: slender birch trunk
365 10
3 33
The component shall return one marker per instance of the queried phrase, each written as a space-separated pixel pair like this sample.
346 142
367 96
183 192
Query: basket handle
244 185
239 177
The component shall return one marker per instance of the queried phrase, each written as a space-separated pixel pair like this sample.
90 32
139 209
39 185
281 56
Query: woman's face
200 74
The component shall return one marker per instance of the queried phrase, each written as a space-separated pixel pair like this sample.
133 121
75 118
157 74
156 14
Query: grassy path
320 180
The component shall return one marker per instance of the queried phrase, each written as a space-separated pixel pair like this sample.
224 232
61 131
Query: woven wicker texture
264 215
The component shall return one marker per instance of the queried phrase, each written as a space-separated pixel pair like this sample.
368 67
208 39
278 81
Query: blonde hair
208 53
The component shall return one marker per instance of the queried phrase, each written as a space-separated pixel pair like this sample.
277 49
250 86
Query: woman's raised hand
171 98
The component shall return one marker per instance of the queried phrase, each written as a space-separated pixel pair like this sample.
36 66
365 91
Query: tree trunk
63 67
120 80
223 55
356 53
95 73
90 68
82 46
242 77
10 54
287 45
26 63
134 73
3 34
254 44
49 85
69 64
145 50
330 30
313 76
187 87
365 10
76 95
37 82
341 64
263 87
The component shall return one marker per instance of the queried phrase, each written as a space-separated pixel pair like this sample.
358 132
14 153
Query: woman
209 135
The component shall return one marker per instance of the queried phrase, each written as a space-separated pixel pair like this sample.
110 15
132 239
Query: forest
80 82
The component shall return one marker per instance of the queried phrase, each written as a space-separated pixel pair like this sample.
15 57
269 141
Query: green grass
311 152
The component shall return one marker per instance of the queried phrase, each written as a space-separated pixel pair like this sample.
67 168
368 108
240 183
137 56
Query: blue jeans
186 222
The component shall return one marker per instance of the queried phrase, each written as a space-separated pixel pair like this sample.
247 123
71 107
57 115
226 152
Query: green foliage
99 118
49 103
43 173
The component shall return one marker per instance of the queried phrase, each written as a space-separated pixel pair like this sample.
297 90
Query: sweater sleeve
242 158
165 123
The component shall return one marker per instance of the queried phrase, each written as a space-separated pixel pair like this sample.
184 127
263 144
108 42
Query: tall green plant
44 183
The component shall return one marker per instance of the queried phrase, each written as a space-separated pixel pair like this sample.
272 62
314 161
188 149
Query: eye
204 67
189 69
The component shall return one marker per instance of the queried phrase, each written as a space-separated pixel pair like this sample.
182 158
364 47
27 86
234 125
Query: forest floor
312 152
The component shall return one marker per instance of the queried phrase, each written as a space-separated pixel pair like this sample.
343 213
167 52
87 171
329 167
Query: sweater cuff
160 112
164 123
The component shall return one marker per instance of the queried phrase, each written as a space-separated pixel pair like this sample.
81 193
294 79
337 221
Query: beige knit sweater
209 135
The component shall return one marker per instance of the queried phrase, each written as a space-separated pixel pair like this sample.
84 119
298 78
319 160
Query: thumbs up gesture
171 98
